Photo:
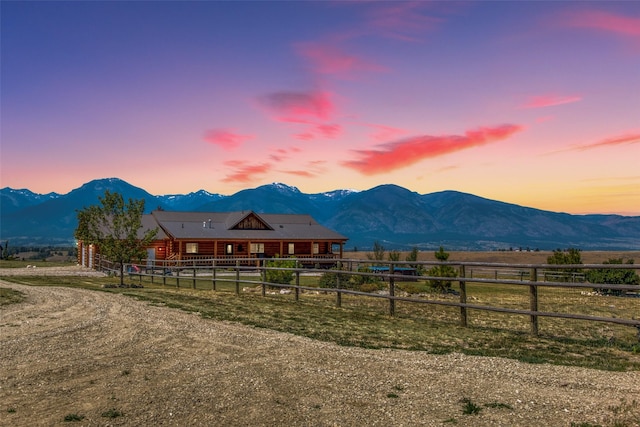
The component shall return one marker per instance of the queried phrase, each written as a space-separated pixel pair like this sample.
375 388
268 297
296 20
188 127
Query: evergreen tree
442 271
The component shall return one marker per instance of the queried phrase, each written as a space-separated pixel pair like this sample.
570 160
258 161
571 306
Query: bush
611 276
330 279
283 277
371 286
350 281
367 283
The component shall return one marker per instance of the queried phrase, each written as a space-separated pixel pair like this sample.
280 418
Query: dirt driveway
112 360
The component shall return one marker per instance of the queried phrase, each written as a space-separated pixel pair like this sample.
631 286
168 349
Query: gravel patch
73 351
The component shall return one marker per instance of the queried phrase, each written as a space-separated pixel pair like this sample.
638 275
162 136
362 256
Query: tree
442 271
378 252
394 255
5 251
611 276
413 257
571 256
116 228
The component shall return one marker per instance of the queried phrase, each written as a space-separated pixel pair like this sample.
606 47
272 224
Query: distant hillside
392 215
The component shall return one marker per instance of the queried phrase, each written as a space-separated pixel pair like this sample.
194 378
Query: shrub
365 283
330 279
370 287
612 276
411 288
112 413
470 408
356 282
73 417
283 277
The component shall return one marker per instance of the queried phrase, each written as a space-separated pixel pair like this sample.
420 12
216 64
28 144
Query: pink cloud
312 169
550 101
396 155
301 173
385 133
299 107
226 139
330 60
605 21
304 136
632 138
329 131
245 172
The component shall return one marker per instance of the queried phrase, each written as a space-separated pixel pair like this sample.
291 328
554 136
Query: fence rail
470 278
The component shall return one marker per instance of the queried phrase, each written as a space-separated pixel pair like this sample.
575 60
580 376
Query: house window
316 248
228 249
257 248
192 248
292 248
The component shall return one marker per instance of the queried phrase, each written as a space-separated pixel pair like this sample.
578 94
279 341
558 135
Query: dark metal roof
149 223
220 225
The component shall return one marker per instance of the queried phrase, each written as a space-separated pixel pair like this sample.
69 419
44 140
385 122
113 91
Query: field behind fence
529 298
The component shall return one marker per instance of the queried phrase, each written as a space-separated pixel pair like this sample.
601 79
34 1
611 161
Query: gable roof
149 223
225 225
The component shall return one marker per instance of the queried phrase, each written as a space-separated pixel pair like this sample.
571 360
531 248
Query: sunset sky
533 103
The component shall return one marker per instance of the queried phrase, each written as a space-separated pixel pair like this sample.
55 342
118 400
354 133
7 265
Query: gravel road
114 361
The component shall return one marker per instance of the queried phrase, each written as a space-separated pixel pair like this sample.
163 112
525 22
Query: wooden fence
532 277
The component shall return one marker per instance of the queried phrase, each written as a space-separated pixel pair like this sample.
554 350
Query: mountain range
391 215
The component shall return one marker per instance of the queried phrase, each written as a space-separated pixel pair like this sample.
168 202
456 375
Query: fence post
392 291
297 283
237 277
463 297
194 274
338 293
533 301
263 276
213 266
164 272
178 275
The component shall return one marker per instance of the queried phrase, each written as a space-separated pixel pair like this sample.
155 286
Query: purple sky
534 103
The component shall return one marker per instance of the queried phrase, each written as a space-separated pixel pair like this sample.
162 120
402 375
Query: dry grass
365 322
9 296
509 257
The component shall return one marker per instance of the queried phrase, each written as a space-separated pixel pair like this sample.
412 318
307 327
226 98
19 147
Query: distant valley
392 215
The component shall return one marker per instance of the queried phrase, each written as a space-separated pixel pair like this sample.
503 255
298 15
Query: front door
151 257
